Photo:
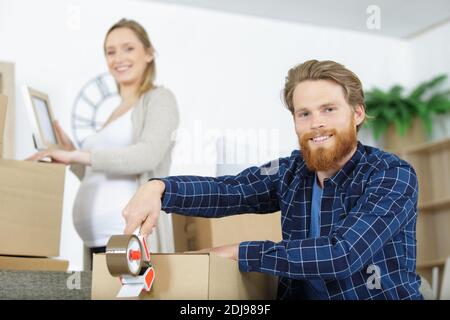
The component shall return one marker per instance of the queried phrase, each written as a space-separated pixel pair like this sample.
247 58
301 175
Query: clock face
93 105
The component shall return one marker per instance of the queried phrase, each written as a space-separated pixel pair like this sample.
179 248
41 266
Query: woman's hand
62 156
64 139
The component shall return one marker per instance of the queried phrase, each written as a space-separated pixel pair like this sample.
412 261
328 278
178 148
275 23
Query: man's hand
230 251
144 208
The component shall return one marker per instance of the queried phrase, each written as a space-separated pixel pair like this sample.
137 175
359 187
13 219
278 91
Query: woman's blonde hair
150 71
324 70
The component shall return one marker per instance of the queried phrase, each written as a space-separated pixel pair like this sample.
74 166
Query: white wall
430 57
430 53
226 70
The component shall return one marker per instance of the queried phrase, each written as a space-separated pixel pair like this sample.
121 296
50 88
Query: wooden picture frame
42 119
3 108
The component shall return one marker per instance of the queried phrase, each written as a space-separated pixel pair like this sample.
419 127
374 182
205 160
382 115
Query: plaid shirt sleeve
387 204
252 191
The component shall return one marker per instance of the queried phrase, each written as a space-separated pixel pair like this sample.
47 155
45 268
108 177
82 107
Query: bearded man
348 211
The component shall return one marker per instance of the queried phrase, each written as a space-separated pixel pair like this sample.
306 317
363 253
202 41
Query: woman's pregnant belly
97 211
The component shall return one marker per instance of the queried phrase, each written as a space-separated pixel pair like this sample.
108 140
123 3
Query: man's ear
359 114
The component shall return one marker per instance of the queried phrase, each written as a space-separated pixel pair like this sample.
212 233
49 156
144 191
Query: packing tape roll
119 252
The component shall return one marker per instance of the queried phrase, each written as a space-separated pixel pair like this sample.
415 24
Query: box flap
223 278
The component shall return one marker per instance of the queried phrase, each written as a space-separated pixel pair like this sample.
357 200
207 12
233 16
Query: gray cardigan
154 121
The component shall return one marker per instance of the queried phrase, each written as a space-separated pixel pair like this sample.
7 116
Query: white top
97 211
154 121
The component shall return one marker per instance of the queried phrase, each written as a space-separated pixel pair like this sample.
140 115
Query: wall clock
93 105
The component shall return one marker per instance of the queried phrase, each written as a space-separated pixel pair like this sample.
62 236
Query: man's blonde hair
324 70
150 71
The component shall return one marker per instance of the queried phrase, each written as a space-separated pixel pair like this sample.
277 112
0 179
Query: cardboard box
191 277
192 233
31 199
32 264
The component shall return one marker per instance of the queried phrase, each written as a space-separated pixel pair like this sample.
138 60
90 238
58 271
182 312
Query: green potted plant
393 112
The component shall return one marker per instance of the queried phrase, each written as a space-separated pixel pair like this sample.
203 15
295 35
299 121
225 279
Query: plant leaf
423 87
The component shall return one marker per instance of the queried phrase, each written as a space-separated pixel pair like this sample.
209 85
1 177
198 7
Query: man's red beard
328 158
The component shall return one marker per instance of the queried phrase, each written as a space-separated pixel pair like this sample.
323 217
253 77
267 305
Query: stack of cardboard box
31 199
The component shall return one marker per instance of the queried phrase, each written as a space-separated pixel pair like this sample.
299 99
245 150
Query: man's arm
388 204
248 192
254 190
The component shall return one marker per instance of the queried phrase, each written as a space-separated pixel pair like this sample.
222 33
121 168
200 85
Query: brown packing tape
117 255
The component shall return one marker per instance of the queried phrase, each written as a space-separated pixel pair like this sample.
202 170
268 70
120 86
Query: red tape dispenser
127 257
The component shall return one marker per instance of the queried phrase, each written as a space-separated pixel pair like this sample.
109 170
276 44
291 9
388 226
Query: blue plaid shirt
367 243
